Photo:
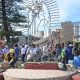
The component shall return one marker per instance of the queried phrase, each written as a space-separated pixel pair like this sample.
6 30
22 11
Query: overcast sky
69 10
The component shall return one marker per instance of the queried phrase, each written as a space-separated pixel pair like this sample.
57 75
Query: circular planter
29 74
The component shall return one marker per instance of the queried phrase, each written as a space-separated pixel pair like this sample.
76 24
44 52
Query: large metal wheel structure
42 15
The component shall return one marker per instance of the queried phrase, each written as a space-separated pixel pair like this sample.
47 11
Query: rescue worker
12 60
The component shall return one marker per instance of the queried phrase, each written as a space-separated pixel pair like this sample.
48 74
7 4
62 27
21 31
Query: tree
10 13
13 11
10 33
4 18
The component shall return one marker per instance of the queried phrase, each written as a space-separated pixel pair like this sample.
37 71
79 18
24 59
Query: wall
67 31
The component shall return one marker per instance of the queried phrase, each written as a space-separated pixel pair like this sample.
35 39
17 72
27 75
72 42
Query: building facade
76 31
67 31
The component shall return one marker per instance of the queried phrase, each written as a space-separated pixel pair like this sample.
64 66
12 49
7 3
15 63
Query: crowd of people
48 52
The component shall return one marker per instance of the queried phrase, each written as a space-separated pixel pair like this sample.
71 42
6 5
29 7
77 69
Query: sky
69 10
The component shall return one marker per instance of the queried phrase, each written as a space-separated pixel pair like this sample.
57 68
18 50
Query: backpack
62 66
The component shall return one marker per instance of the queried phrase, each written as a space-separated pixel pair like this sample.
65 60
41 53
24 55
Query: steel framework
34 8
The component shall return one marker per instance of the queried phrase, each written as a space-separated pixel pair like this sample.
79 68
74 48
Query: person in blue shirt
69 51
58 50
76 60
17 51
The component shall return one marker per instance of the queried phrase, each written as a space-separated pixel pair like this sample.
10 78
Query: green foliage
10 12
14 40
13 11
17 18
10 33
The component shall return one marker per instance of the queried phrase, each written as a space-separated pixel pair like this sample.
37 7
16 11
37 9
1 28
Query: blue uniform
77 61
17 50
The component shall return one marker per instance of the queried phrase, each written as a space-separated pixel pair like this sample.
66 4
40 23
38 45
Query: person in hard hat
6 55
12 57
9 59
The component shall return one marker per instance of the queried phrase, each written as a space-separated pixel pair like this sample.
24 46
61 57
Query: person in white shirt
31 53
39 53
23 54
45 52
26 48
